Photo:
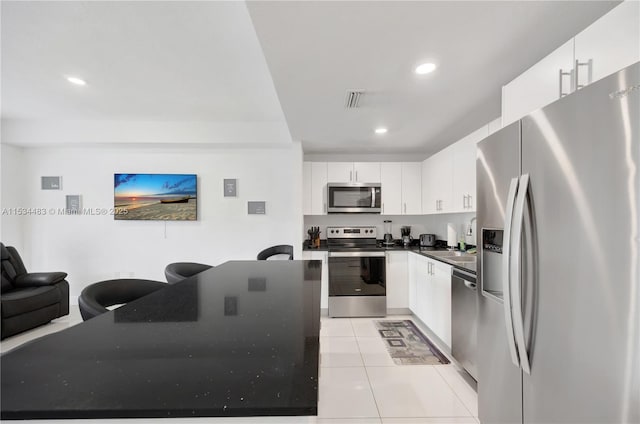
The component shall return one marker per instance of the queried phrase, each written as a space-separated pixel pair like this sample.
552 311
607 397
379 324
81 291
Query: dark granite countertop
240 339
424 251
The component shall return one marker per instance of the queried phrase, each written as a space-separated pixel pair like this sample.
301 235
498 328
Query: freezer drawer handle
506 275
470 285
518 322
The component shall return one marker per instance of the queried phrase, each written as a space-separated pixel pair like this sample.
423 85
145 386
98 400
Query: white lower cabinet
430 294
397 280
439 301
412 271
324 282
417 269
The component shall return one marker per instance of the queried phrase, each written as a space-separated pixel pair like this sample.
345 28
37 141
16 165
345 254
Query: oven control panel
352 232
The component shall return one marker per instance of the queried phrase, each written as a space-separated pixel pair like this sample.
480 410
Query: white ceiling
318 50
220 65
143 61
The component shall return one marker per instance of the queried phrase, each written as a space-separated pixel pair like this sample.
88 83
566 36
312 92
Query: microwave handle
373 197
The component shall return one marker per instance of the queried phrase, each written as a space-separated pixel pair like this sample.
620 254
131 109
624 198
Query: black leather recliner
29 300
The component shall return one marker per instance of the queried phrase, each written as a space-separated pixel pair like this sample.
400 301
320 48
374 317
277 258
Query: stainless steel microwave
354 197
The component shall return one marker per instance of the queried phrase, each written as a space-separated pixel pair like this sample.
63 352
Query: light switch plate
257 208
51 183
230 187
74 204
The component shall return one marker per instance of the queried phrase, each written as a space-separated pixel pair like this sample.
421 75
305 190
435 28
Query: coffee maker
405 232
388 236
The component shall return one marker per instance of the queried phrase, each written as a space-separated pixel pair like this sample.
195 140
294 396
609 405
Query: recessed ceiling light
381 130
425 68
76 81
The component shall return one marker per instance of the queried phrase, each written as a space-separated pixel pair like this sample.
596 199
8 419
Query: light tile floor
358 384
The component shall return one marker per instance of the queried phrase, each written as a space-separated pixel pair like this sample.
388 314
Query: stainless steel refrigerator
559 217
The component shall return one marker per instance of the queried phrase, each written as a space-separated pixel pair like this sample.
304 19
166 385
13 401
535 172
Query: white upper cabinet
411 188
611 43
401 188
539 85
606 46
349 172
391 180
428 196
464 171
318 188
449 176
366 172
340 172
439 182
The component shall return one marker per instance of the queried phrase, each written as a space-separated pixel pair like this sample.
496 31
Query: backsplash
420 224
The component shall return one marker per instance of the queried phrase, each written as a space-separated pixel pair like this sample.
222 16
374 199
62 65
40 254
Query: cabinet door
538 86
612 43
411 188
366 172
306 188
423 297
442 180
391 180
324 280
340 172
412 268
464 171
318 188
397 280
428 195
440 290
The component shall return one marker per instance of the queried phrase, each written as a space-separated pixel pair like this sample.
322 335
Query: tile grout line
456 393
366 373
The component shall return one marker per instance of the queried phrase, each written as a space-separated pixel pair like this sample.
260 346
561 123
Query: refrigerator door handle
518 322
506 275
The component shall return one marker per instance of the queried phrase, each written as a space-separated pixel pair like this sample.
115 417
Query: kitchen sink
450 254
461 258
454 256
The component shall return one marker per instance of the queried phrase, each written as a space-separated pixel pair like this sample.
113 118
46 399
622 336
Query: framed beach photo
155 197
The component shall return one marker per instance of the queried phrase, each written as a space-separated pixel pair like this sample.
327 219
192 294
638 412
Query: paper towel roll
452 235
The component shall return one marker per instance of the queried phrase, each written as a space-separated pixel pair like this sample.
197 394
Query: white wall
12 184
91 248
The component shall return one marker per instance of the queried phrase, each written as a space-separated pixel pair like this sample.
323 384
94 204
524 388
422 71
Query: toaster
427 240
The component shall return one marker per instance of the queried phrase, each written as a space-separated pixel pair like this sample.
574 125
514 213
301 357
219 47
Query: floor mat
407 345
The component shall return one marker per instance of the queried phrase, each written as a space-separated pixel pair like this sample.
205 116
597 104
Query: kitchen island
240 339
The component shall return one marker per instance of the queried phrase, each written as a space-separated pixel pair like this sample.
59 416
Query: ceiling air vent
352 99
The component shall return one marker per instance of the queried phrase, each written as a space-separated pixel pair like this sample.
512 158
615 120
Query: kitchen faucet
470 228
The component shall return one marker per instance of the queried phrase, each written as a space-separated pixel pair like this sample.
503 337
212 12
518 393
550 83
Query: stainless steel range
357 286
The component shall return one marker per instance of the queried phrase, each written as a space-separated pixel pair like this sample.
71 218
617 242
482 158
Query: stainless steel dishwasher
464 320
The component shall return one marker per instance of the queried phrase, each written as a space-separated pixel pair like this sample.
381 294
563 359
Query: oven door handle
356 254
